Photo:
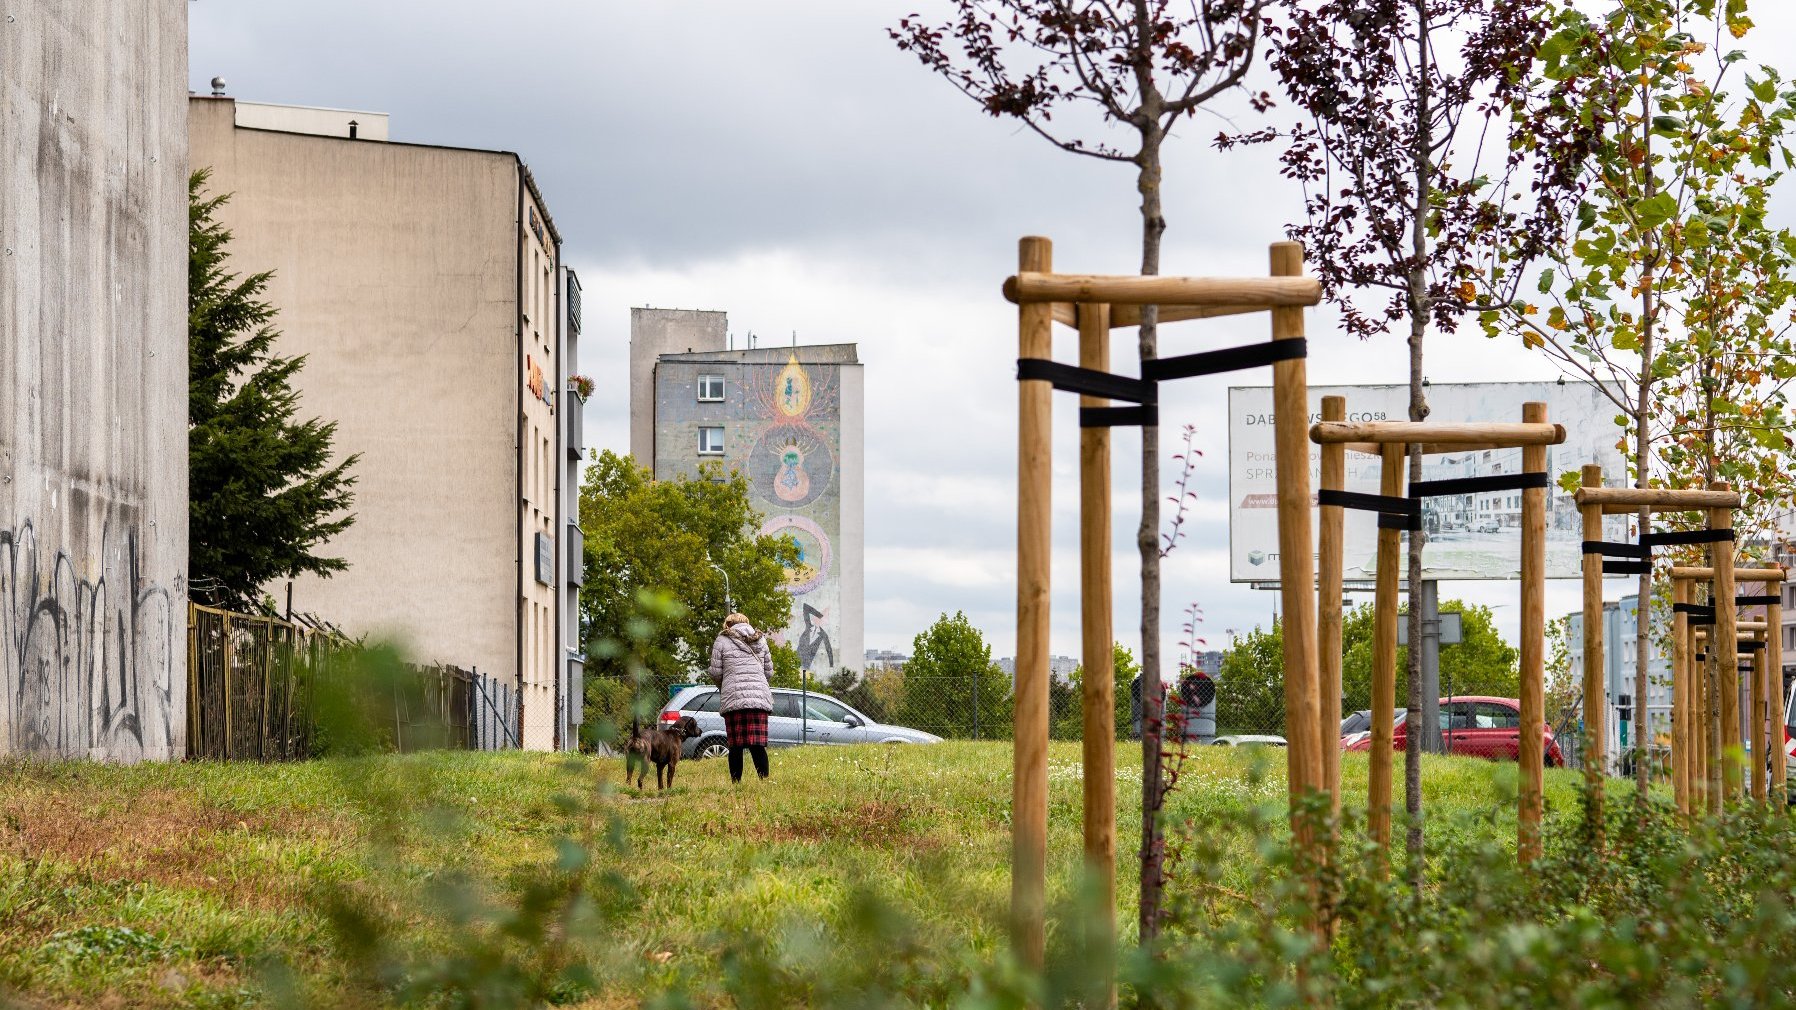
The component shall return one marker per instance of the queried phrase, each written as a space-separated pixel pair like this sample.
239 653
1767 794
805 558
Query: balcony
576 424
573 303
576 555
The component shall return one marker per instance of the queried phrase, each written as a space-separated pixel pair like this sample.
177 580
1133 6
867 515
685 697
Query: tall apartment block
425 286
789 418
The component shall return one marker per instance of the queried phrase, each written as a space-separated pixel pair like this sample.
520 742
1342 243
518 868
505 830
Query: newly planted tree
1077 72
1670 290
1419 158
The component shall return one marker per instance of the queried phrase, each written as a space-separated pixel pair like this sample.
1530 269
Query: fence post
975 704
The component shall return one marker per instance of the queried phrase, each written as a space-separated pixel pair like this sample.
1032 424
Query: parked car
1358 726
1249 740
798 717
1473 726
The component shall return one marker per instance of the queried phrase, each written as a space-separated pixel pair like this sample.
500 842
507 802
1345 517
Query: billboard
1470 536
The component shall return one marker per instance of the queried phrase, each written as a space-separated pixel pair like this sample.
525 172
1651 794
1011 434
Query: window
1490 715
705 702
710 441
825 710
710 388
785 706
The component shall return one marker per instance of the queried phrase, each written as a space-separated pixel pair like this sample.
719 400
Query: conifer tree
263 496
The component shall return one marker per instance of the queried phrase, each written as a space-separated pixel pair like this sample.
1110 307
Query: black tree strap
1386 521
1387 504
1627 567
1757 601
1697 609
1699 620
1230 359
1611 549
1682 537
1475 485
1751 646
1086 381
1118 417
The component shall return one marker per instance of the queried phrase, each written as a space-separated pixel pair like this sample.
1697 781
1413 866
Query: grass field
165 885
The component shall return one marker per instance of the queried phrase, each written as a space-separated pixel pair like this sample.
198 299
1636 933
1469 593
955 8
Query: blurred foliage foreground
855 877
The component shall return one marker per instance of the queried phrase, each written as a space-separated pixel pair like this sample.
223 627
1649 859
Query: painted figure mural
796 481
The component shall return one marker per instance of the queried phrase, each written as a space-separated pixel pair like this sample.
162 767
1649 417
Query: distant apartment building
790 419
884 659
1060 668
1619 629
425 286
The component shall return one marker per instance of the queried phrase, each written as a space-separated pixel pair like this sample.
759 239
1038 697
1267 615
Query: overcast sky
783 162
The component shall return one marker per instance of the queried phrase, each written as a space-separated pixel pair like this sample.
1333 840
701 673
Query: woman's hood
744 631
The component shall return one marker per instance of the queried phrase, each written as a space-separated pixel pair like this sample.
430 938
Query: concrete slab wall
93 379
654 332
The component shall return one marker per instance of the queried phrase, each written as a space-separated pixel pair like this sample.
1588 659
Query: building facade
1620 619
93 380
790 420
425 286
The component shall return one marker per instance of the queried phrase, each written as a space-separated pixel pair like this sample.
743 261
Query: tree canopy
1250 694
263 494
950 676
677 537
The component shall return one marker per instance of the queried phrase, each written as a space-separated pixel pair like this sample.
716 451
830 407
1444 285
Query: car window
707 702
1358 722
1490 715
1457 715
825 709
786 706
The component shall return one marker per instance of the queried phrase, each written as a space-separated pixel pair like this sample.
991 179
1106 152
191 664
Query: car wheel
712 747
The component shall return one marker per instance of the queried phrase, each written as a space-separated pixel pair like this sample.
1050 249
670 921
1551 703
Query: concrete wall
654 332
93 379
396 272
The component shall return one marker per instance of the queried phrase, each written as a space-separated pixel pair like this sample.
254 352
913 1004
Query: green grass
162 885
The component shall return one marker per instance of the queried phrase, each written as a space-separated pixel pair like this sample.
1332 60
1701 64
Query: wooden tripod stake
1097 304
1392 440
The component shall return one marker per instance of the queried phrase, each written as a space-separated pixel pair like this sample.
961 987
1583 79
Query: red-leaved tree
1424 156
1061 67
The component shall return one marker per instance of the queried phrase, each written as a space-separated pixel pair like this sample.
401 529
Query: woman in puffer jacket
742 665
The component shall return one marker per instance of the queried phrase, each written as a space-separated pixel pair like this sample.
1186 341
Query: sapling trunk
1418 411
1147 539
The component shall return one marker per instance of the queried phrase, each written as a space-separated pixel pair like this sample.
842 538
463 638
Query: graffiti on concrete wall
87 659
796 476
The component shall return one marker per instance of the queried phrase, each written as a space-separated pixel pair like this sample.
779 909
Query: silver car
798 717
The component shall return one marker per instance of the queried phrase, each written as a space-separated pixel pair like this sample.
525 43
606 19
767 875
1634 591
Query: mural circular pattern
790 466
813 551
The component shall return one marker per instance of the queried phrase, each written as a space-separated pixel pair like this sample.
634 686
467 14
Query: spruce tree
262 496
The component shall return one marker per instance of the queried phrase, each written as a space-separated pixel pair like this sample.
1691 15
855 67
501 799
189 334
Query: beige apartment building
425 286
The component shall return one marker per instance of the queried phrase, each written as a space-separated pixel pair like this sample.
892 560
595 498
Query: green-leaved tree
680 538
951 686
264 495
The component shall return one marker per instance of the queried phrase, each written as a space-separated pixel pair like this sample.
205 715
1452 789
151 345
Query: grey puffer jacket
742 665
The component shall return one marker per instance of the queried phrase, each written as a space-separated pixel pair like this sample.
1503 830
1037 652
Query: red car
1473 726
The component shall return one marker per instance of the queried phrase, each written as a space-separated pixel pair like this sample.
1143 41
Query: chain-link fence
263 689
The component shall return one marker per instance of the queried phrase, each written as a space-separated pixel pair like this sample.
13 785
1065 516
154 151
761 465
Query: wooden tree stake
1029 798
1532 750
1594 714
1328 604
1384 659
1098 639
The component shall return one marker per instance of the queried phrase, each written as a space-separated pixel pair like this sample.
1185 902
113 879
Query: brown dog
661 745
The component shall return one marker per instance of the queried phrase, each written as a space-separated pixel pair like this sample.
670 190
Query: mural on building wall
797 483
87 659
